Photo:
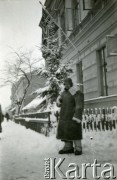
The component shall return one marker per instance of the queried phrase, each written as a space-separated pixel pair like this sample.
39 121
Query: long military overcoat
68 129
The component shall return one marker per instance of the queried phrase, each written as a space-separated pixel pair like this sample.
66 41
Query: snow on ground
22 152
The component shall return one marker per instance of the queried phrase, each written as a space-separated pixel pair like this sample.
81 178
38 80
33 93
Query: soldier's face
67 85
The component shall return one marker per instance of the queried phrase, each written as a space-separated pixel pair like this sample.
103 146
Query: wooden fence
99 119
95 119
39 122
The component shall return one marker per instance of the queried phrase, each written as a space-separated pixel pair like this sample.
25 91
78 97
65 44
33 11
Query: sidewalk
22 152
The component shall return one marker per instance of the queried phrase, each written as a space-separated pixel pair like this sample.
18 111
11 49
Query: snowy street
22 152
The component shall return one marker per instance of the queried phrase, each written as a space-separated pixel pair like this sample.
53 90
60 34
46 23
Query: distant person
1 120
0 123
7 116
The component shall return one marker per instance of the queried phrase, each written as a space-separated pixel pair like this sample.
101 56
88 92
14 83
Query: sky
19 20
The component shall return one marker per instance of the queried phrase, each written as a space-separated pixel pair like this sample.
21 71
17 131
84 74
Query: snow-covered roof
41 90
34 103
50 107
13 109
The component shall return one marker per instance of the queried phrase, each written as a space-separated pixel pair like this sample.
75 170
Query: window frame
102 71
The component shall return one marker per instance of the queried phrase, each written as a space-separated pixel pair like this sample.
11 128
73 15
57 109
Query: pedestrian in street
69 125
7 116
1 119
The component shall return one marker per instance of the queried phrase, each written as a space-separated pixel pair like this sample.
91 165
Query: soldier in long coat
69 128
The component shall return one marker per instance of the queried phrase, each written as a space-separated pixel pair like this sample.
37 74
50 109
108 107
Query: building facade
91 46
17 91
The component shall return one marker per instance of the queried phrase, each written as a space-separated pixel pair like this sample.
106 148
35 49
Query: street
22 152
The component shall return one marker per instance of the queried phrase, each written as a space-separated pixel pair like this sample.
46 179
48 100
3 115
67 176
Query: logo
53 169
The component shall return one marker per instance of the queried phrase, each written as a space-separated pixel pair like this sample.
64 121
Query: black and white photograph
58 89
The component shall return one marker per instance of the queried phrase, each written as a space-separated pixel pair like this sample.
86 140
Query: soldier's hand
76 119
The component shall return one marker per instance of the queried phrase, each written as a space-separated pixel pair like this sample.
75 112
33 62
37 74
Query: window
102 72
62 23
72 15
75 13
69 19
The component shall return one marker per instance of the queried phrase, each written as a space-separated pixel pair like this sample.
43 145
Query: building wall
112 75
36 83
88 41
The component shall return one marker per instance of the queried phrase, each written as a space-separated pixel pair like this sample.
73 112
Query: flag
52 28
47 22
48 17
45 18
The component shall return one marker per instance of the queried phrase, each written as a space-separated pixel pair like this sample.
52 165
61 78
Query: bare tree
22 66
